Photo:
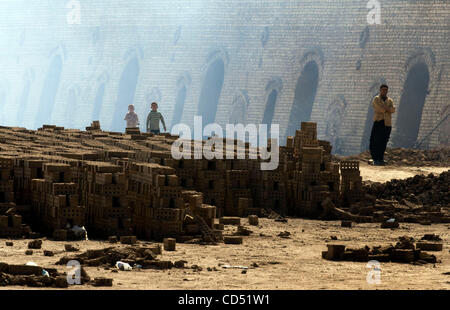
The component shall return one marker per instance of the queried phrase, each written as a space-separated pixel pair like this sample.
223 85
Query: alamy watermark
74 273
374 274
214 147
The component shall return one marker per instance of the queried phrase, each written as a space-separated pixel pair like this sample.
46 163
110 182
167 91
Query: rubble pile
405 251
35 276
423 190
144 257
439 157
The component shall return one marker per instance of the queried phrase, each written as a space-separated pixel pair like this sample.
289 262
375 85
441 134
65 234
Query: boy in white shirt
131 117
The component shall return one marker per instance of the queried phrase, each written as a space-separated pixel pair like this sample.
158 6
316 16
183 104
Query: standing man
153 119
383 107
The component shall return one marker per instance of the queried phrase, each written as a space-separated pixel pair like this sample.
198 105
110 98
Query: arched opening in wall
270 107
239 109
49 91
305 93
367 128
71 109
2 104
210 94
98 102
179 105
411 106
23 101
125 94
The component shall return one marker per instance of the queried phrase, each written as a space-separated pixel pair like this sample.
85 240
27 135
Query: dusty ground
292 263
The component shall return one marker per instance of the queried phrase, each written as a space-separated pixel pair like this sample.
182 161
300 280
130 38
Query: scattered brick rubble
403 252
144 256
33 276
408 157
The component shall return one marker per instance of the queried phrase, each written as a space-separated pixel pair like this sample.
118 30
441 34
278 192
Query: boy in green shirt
153 119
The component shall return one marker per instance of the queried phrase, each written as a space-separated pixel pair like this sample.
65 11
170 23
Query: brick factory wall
264 46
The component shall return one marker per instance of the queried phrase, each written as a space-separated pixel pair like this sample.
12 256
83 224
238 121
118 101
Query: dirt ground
283 263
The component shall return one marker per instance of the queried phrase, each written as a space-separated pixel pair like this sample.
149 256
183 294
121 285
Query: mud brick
102 281
402 255
29 252
335 251
61 282
390 225
17 221
172 180
103 178
169 244
218 234
346 223
48 253
429 246
3 221
192 229
158 264
64 188
128 239
232 239
113 239
24 270
219 226
230 220
427 257
35 244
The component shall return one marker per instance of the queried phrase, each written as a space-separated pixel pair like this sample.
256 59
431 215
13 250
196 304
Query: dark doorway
305 93
212 87
367 128
270 107
125 95
23 101
49 91
98 102
411 105
179 105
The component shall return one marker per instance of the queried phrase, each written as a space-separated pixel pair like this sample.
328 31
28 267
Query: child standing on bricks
153 119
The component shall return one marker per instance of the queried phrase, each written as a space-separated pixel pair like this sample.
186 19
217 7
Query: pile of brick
146 257
439 157
405 251
35 276
129 184
430 190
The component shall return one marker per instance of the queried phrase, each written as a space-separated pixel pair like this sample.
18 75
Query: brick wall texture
132 51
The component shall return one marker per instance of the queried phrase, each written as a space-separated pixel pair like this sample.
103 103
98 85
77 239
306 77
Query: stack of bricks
56 201
211 182
10 223
134 186
351 186
6 179
156 201
105 199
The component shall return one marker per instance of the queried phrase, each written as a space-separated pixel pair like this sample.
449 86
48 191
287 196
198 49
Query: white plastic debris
390 220
123 266
45 273
31 264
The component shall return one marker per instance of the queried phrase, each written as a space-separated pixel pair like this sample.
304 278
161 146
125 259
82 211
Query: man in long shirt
383 107
131 117
153 119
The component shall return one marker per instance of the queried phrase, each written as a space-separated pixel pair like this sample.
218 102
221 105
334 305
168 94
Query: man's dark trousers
378 140
387 134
